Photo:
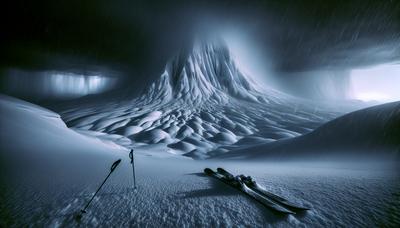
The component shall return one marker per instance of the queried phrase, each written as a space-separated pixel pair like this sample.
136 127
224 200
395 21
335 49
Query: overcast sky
135 38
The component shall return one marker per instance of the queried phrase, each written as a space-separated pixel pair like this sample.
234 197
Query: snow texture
52 171
371 133
202 101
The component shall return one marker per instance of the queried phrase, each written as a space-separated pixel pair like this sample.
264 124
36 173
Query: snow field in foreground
49 172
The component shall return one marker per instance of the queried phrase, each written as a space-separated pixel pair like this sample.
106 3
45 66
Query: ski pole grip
131 156
115 164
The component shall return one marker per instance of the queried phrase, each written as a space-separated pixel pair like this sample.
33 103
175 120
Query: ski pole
133 168
113 166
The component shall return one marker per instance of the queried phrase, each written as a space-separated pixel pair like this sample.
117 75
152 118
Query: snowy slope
371 132
201 102
36 149
32 136
49 173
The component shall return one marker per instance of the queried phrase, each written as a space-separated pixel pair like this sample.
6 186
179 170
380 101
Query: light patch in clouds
247 56
379 83
70 84
57 84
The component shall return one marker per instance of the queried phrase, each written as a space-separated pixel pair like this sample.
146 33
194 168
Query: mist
280 44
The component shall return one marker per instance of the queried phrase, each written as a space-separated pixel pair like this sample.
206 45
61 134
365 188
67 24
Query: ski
252 184
238 184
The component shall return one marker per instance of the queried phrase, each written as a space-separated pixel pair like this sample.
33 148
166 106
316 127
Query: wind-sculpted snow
201 102
367 134
207 73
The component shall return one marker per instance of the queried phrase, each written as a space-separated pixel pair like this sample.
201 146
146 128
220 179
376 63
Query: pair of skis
254 190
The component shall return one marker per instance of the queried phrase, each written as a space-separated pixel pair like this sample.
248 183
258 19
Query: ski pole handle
115 164
131 155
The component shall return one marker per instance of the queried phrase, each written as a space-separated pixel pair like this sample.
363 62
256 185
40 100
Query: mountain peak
205 72
197 108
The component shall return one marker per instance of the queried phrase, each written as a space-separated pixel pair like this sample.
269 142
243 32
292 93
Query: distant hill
371 132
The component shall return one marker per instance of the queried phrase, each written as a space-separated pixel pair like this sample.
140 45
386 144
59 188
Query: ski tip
208 171
219 169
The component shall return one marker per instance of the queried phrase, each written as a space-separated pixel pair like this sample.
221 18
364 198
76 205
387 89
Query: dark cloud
136 37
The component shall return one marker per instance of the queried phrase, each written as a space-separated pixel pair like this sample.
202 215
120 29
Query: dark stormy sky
135 38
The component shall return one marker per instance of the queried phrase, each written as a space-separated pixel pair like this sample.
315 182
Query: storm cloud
134 39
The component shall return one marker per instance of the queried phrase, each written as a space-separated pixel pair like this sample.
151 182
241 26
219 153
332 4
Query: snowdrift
34 138
368 133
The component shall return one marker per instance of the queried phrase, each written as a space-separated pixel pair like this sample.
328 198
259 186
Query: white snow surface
202 101
49 172
370 133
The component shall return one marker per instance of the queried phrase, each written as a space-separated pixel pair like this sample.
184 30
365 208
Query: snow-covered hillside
364 134
201 102
32 136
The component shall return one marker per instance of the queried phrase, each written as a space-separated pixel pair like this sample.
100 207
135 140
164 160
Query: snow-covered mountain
202 101
207 73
